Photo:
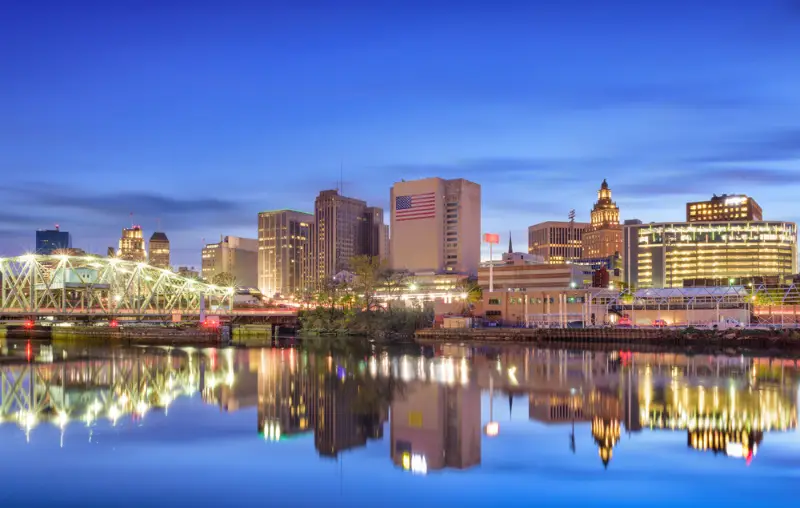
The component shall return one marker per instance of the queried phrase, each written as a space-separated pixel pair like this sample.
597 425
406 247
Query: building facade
522 276
131 245
557 242
667 254
345 228
235 256
283 250
48 240
736 207
436 226
375 233
603 237
158 250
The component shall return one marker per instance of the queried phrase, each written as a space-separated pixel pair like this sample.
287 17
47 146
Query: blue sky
202 113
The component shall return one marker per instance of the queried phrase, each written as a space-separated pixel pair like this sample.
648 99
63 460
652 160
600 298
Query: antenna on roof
131 219
341 177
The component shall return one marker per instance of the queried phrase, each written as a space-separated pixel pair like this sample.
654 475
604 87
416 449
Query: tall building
667 254
158 250
436 226
603 237
557 242
735 207
235 256
131 245
283 244
375 233
48 240
344 229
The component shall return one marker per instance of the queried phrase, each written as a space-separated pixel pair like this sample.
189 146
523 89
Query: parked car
624 322
659 323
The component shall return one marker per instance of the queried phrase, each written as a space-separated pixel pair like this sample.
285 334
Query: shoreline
732 341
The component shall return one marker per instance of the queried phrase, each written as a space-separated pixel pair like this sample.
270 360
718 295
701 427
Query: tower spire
510 248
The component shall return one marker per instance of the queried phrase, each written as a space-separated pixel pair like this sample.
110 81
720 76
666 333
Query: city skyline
176 115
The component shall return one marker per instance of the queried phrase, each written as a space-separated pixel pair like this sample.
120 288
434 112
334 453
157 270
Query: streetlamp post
491 239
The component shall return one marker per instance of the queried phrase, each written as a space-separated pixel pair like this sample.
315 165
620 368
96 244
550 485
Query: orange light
113 323
491 238
28 324
492 429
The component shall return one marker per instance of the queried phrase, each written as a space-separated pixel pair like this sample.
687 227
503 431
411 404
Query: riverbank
773 341
139 336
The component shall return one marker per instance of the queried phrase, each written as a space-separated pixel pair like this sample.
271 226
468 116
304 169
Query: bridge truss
63 285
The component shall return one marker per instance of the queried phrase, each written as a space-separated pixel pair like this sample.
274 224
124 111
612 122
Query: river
362 425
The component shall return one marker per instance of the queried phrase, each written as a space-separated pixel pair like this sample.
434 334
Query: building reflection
436 425
430 402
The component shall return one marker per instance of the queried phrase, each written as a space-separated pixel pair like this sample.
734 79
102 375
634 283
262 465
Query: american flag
415 206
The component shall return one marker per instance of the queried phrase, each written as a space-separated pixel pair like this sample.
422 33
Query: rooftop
158 236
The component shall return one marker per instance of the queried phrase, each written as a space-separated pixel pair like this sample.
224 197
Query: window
493 313
494 301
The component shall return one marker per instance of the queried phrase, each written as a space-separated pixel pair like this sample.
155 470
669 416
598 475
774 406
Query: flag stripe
415 206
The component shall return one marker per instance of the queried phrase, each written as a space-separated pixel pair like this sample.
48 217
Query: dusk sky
202 113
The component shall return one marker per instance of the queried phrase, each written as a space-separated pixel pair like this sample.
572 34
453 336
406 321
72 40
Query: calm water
363 427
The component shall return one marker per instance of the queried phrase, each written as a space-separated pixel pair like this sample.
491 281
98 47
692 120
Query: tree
470 293
369 271
224 279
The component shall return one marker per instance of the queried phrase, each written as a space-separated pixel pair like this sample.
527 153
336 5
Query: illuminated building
376 233
736 207
603 237
158 250
235 256
557 242
345 227
48 240
667 254
436 425
131 245
436 226
283 245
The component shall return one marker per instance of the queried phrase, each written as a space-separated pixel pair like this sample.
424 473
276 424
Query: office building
603 237
283 245
284 407
235 256
344 229
557 242
667 254
48 240
158 250
436 226
131 245
734 207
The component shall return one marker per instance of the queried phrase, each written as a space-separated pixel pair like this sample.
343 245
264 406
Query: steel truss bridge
111 388
85 286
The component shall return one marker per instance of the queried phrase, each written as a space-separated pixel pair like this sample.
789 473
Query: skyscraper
343 229
131 245
158 250
603 237
436 226
283 241
48 240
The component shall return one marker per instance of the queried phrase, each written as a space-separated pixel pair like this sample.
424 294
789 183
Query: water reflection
430 399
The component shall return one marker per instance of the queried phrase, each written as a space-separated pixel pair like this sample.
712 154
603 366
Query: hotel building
158 250
131 245
283 245
603 237
557 242
666 254
736 207
436 226
233 255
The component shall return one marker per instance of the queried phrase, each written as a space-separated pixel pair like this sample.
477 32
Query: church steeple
510 248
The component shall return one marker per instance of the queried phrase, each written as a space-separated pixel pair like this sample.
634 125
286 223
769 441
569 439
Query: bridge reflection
430 400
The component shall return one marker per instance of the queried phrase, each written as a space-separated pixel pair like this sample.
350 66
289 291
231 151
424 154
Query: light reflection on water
530 422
